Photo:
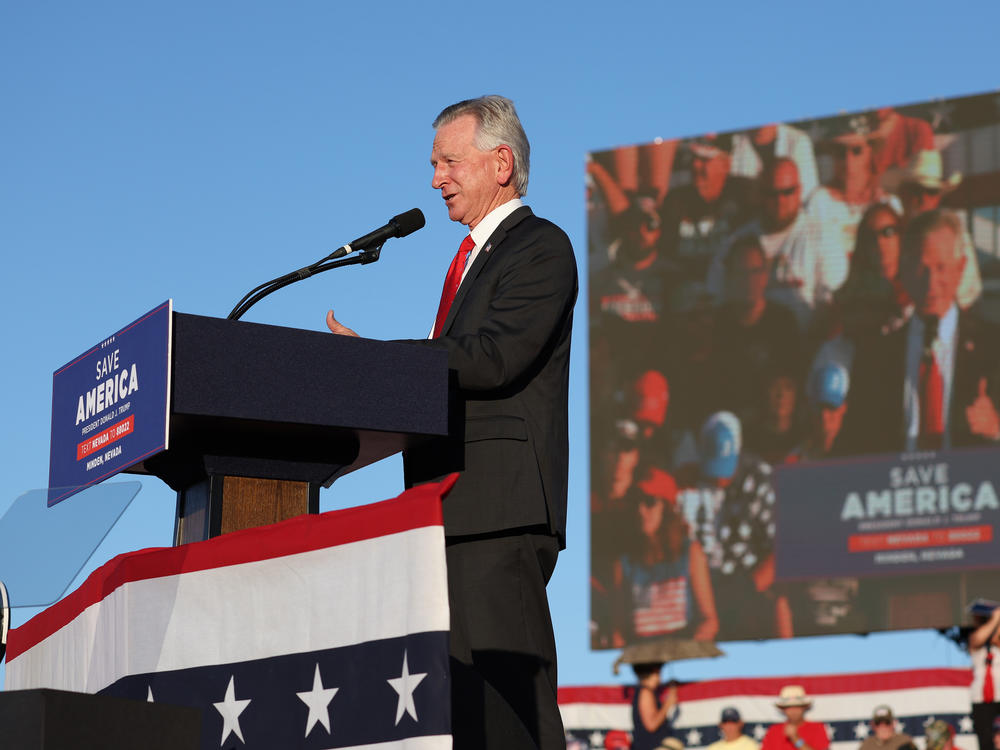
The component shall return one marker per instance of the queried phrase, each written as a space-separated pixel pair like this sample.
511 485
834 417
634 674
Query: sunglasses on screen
787 192
843 151
890 231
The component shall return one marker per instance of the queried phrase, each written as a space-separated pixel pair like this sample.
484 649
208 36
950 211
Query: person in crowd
827 401
932 383
805 268
984 649
884 735
840 205
639 431
616 739
774 427
939 735
756 149
652 715
872 301
670 743
727 499
731 733
795 733
996 734
699 218
922 186
899 138
661 579
751 332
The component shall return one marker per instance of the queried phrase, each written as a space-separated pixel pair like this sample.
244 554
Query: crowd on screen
748 309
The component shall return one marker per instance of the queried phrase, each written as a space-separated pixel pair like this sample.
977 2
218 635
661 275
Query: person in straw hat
795 733
921 186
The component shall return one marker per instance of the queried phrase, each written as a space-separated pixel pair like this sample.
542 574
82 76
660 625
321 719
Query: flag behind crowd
843 703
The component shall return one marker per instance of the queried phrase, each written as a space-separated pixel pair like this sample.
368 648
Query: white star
759 732
830 731
405 684
149 694
230 708
965 725
318 699
596 739
693 738
860 730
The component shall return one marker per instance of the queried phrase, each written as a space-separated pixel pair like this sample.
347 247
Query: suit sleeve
529 306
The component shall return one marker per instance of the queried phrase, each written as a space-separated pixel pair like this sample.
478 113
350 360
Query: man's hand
791 731
982 415
337 327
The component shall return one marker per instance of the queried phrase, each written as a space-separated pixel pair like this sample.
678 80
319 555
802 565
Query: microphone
398 226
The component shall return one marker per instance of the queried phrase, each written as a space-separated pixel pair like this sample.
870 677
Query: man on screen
933 383
504 318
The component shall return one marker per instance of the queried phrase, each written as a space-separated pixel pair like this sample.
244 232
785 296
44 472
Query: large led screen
795 376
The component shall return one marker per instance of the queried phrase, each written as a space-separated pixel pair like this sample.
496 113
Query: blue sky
192 150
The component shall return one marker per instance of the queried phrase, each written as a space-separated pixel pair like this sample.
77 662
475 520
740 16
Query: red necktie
931 386
451 283
988 696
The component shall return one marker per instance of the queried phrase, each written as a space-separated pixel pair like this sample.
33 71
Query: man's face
932 272
918 199
884 729
782 195
746 278
852 161
731 730
794 714
466 176
709 174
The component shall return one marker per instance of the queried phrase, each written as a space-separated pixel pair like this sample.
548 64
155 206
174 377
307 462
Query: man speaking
505 319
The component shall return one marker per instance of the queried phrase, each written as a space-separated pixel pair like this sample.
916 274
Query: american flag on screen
660 607
843 703
325 631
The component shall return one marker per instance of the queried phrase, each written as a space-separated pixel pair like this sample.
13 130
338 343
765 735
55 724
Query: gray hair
499 125
926 223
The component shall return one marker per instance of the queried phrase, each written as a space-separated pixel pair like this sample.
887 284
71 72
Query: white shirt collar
492 220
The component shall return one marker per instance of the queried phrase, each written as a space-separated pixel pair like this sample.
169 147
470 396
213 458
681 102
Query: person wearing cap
840 205
651 717
884 735
731 731
661 582
827 398
795 733
939 735
806 266
933 383
727 499
671 743
754 150
700 217
996 733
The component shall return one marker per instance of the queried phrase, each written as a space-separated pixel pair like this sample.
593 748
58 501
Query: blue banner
912 513
110 405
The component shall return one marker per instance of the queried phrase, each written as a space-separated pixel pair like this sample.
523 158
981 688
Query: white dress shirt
944 354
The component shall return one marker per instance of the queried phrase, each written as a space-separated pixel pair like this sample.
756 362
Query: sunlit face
918 199
782 195
885 229
931 274
710 175
852 161
466 176
884 729
731 730
794 714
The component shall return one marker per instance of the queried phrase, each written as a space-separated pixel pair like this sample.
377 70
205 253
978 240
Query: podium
262 416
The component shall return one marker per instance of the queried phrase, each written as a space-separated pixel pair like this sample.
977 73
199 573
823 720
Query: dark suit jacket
508 341
875 419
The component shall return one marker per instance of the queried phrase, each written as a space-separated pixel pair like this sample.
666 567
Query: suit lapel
486 253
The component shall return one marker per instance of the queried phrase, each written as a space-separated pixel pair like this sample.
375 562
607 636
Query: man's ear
504 164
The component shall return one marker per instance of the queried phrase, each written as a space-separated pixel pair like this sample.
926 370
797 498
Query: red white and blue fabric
842 703
318 632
